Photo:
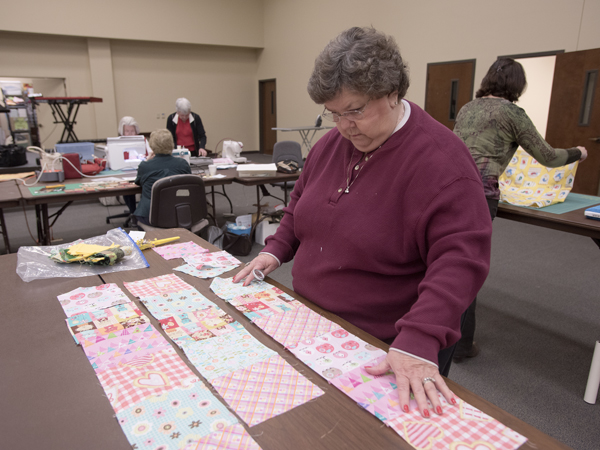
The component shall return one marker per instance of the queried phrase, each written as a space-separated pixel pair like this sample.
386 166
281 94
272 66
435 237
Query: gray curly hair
361 60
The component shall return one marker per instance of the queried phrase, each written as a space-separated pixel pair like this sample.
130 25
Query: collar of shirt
176 118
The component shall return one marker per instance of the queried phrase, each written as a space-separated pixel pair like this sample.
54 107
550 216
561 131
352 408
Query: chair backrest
178 201
287 150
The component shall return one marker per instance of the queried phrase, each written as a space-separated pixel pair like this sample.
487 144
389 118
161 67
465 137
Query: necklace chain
367 156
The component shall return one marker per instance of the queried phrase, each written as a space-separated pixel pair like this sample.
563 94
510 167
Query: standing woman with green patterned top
493 127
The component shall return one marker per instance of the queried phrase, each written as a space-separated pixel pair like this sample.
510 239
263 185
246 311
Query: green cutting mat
573 202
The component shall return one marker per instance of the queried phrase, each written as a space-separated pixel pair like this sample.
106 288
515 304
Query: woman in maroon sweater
388 224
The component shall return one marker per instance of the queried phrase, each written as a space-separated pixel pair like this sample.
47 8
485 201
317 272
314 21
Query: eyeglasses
355 114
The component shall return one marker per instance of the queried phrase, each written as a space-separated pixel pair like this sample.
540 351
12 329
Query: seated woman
186 128
129 127
159 165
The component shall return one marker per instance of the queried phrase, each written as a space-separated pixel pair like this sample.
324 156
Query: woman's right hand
583 153
263 262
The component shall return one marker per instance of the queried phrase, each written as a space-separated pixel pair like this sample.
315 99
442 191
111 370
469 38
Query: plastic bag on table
34 263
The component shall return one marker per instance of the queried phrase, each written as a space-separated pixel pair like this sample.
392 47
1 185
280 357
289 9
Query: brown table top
51 398
571 222
278 178
10 195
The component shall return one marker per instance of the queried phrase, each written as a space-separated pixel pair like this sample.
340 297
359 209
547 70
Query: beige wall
212 22
214 52
426 31
220 82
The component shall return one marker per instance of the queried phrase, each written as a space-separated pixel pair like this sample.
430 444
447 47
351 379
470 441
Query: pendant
347 190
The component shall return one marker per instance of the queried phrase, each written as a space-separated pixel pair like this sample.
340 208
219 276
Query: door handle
596 139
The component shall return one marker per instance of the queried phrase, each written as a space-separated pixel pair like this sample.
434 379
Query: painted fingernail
405 408
453 400
426 413
438 410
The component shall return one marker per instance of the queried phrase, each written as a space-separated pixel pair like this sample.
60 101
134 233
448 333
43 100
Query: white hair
128 120
183 105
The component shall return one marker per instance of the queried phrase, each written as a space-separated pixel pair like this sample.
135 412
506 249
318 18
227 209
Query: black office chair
287 150
178 201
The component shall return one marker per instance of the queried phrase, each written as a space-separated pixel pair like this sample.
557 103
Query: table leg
593 384
38 222
46 225
4 232
214 204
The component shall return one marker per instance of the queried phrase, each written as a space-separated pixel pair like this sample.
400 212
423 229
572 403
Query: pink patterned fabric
157 285
265 389
138 379
179 250
295 326
234 437
461 427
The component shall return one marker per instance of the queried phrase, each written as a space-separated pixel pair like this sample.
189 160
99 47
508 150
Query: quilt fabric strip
108 320
265 389
128 384
225 288
124 350
234 437
199 325
204 271
461 427
175 418
265 303
224 354
165 284
296 325
168 304
93 298
335 353
181 250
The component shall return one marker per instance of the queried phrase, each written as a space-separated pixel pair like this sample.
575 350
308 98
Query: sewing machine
125 152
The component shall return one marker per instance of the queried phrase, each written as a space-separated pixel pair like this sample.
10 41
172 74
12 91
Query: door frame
473 60
261 105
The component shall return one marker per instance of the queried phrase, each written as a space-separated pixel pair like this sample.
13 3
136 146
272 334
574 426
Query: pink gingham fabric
295 326
136 380
461 427
156 286
265 389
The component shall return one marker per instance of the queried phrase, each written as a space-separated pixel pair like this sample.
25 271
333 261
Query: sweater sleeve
534 144
454 239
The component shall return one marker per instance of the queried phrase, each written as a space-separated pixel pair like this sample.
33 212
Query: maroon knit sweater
402 254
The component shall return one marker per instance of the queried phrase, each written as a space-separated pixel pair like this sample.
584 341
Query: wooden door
574 115
268 115
449 88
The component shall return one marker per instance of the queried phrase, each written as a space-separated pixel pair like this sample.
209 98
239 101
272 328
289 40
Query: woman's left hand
410 373
202 152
